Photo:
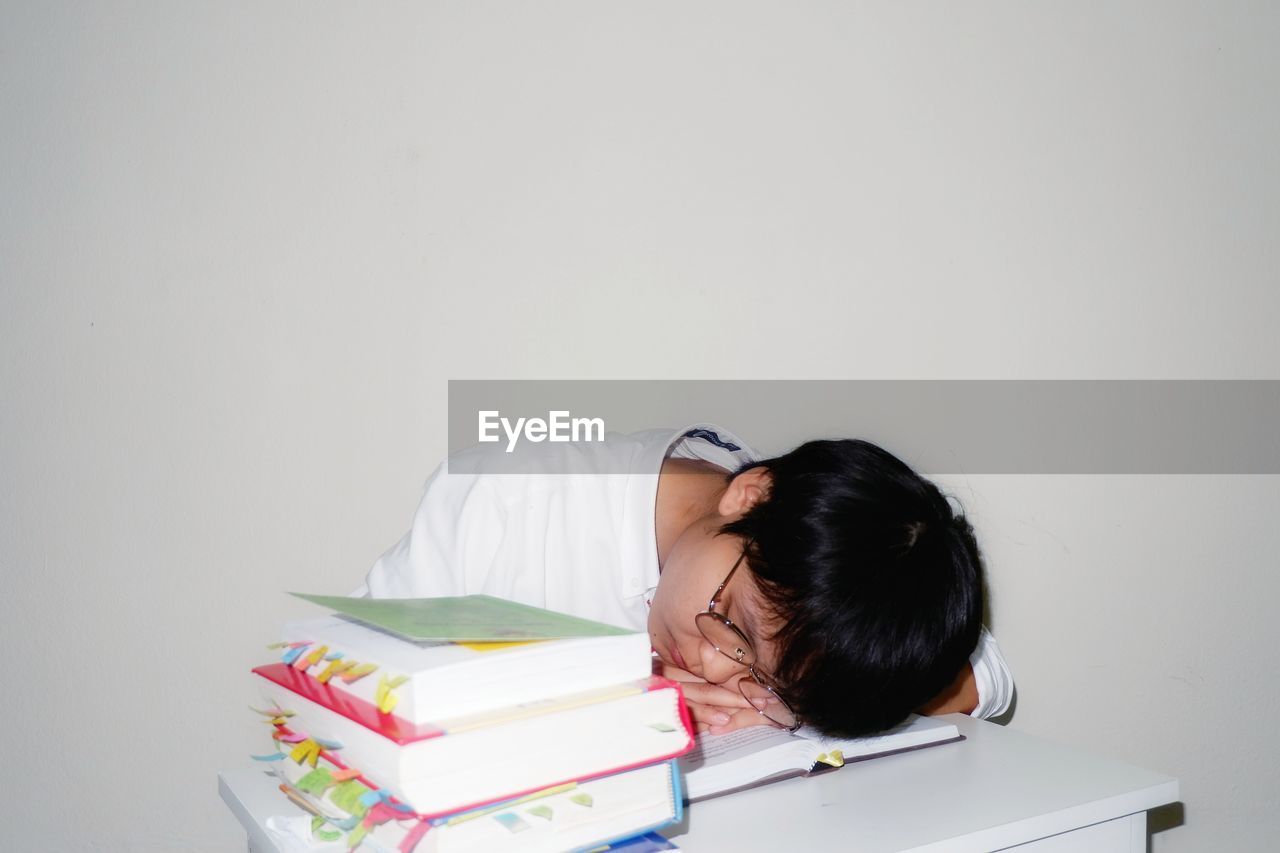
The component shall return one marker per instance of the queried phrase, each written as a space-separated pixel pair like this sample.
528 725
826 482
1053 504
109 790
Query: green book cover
464 619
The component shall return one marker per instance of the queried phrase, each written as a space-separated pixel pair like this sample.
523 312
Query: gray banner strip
937 426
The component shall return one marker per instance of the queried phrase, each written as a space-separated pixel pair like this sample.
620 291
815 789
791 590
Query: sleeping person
831 586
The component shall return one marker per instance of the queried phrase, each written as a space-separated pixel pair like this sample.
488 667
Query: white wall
243 247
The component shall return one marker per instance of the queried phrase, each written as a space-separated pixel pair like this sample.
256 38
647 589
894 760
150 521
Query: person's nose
716 667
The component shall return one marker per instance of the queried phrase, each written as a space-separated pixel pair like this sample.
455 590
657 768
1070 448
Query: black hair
874 583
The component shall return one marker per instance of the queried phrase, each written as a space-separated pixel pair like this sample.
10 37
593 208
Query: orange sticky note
358 672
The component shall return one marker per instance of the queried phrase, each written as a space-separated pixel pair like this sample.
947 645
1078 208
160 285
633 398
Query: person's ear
745 491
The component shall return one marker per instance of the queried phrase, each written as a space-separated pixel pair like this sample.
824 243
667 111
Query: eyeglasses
729 641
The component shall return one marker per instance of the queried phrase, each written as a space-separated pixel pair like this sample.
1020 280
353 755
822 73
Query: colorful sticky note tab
662 727
318 830
495 647
299 800
411 840
335 667
383 697
275 756
292 653
307 659
835 758
543 812
511 821
357 835
582 798
308 751
347 797
385 810
345 773
358 672
315 782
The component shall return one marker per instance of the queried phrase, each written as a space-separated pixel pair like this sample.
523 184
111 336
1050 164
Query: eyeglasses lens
726 639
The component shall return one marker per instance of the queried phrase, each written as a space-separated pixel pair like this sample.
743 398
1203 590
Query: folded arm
961 696
983 688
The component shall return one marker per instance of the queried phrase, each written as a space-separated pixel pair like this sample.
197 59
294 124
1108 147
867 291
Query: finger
710 715
741 720
714 694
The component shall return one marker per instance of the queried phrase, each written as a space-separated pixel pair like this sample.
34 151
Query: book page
913 731
711 750
720 764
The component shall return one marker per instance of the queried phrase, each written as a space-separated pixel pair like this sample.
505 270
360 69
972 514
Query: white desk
999 789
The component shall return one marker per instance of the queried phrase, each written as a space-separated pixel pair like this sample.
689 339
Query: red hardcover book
442 767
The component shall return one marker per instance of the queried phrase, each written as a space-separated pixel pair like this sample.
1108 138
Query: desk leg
1138 828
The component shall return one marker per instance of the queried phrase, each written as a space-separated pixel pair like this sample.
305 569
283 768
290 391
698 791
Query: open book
720 764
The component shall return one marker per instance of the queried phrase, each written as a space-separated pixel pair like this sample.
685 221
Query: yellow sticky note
384 698
835 758
335 667
358 672
493 647
307 750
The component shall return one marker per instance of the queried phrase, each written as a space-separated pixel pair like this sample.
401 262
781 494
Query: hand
714 708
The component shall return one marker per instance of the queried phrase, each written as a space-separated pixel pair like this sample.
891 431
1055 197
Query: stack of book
505 728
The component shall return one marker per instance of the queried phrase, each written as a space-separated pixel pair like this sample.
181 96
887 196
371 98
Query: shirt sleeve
995 682
450 545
